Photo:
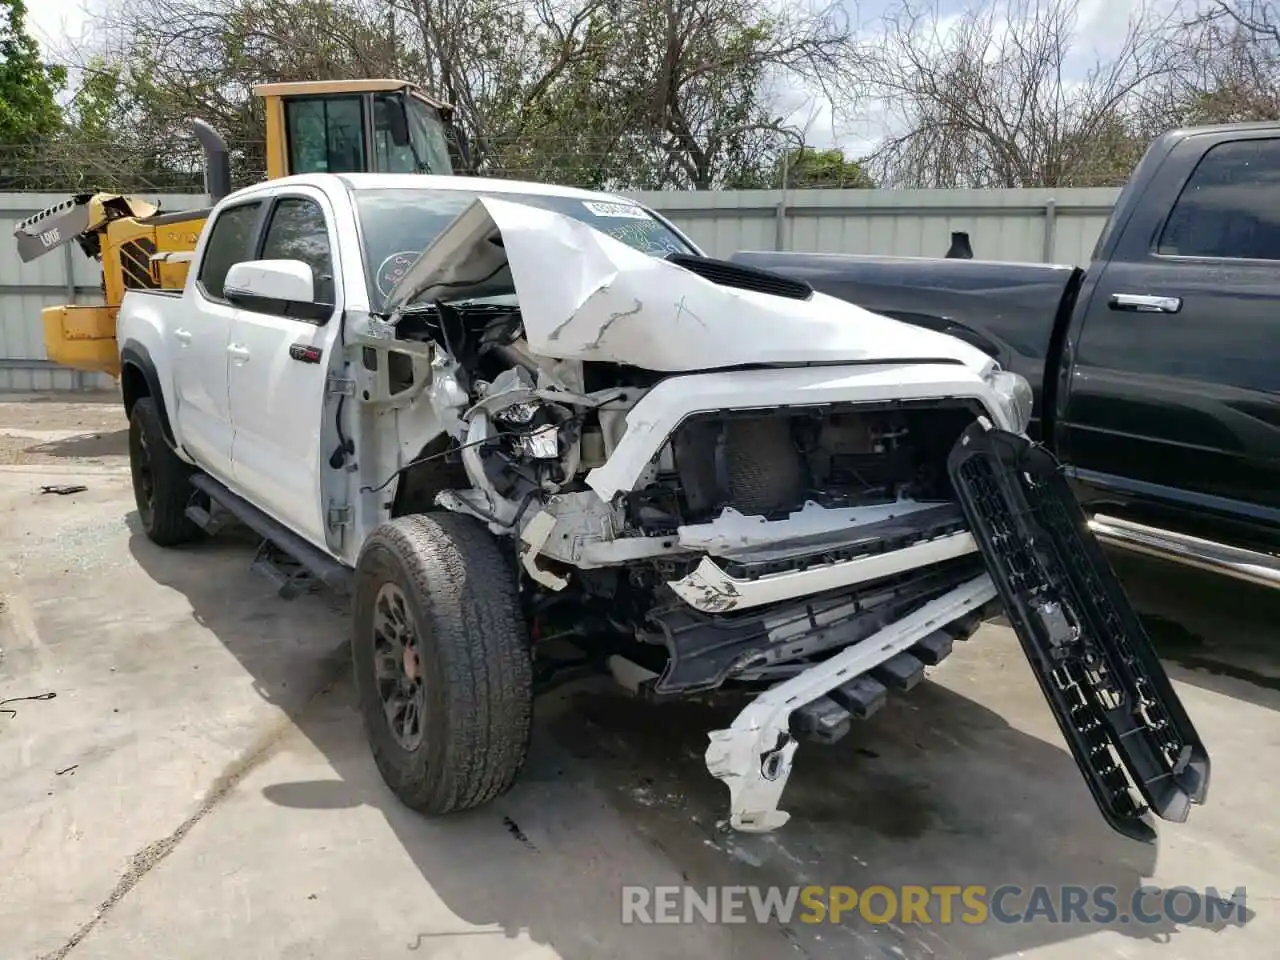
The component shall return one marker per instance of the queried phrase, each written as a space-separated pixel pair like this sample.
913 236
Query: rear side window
230 242
1230 207
297 231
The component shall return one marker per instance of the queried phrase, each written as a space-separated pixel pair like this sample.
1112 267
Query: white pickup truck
515 420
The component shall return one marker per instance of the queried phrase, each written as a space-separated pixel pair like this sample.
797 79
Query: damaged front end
1123 723
716 480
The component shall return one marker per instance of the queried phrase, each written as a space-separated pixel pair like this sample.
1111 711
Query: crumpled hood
586 296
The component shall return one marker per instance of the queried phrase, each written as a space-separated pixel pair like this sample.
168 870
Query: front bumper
711 589
1123 723
759 645
753 756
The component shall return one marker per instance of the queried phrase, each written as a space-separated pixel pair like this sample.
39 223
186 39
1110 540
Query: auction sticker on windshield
628 210
392 270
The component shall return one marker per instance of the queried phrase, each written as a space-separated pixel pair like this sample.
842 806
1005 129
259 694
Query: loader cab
358 126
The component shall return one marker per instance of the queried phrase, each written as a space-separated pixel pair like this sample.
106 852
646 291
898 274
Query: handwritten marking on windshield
647 237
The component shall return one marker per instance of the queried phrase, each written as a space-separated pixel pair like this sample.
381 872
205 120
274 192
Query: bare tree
669 92
1002 96
1230 70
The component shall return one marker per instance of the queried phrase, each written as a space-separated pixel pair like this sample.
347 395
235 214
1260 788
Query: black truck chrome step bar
1235 562
1123 722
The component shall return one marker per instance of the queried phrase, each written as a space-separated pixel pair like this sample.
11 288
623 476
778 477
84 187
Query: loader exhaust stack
217 162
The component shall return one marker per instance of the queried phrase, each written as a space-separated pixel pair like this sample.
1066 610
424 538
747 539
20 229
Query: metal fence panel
1013 225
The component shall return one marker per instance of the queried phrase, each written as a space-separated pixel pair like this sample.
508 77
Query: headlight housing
1015 395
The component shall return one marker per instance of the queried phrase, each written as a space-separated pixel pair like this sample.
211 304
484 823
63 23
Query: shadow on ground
1215 633
114 443
936 789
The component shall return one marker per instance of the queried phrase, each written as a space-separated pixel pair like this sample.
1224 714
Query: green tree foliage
29 112
28 108
806 167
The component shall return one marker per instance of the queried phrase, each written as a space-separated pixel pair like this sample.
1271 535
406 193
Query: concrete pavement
199 787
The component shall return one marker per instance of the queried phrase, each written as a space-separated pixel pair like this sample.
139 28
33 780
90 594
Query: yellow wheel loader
347 126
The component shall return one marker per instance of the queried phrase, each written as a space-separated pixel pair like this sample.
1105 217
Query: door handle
238 352
1144 303
182 336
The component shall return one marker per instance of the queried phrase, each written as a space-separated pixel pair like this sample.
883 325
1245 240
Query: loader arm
81 218
138 247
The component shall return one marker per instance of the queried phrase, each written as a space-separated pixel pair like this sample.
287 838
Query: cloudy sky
1101 27
50 21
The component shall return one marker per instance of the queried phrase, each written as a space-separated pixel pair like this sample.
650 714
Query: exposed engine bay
746 529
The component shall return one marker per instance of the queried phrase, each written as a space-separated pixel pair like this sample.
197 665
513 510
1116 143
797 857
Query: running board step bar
1239 564
311 558
1125 726
290 578
210 519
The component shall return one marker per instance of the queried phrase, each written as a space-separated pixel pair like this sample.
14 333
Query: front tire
442 662
161 479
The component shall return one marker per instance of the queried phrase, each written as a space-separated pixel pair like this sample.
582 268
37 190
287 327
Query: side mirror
281 287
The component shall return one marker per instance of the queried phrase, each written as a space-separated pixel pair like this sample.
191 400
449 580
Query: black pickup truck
1156 370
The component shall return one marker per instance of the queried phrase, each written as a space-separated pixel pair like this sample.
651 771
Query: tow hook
775 763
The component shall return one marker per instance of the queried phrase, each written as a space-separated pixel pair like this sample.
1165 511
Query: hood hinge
339 515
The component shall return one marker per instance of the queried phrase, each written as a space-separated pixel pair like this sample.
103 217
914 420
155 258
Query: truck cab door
199 340
277 373
1172 415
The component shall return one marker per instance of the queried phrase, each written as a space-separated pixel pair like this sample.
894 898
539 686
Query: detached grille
1086 645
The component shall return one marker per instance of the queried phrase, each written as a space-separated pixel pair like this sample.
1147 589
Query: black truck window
1230 206
230 242
297 231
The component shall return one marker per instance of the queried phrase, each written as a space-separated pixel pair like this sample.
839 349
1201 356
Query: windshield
398 224
427 150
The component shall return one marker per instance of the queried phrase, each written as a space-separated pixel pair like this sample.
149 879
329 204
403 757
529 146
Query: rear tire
442 662
161 479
